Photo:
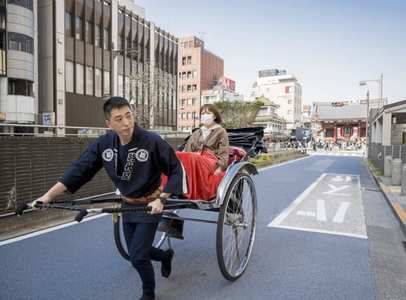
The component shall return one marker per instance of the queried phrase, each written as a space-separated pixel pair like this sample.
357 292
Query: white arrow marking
306 213
335 189
321 211
337 179
340 214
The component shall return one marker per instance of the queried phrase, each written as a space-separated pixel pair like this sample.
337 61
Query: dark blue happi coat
148 155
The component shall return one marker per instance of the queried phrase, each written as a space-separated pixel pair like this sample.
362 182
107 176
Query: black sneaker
166 266
147 297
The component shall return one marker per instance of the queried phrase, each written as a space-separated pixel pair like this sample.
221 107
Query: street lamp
380 82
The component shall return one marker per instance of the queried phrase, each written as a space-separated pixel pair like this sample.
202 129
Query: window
79 28
20 42
24 3
188 116
189 60
120 86
89 81
106 40
106 83
2 62
190 44
98 82
20 87
183 75
89 32
183 102
97 36
189 75
329 132
2 51
79 79
68 24
189 88
194 87
183 60
127 87
182 116
69 76
120 42
403 137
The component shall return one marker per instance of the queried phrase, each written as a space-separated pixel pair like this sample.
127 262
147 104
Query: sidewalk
396 201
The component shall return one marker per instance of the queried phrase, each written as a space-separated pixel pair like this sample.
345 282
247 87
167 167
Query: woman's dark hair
213 109
114 102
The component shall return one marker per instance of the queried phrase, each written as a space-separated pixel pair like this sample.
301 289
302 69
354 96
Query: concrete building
269 119
282 89
95 48
388 124
18 62
340 121
224 89
198 70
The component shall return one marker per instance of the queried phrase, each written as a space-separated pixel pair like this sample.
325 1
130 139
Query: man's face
121 121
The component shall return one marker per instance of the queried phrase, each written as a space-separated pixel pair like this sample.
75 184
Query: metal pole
381 88
367 127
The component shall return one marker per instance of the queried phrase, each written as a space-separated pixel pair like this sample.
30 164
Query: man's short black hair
114 102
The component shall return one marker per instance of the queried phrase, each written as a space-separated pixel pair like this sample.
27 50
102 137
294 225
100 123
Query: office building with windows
282 89
18 62
198 70
92 49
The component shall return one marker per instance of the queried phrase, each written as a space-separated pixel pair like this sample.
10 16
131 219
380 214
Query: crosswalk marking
350 154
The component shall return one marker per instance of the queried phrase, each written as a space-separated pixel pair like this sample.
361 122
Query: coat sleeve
192 139
170 166
83 169
222 151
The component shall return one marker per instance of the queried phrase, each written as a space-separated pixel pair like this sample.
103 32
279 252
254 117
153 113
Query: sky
328 45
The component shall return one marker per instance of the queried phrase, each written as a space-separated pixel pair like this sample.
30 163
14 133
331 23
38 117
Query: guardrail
51 131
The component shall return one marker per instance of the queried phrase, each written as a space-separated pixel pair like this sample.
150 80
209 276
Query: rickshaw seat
235 154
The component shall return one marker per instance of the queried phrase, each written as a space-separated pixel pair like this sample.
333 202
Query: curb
397 209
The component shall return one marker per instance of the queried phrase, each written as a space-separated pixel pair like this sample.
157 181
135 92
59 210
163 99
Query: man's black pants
139 238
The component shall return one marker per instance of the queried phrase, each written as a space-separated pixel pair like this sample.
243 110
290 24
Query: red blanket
199 167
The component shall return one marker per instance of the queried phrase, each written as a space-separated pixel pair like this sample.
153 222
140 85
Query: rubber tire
220 224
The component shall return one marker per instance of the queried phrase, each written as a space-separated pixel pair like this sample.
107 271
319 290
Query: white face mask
207 119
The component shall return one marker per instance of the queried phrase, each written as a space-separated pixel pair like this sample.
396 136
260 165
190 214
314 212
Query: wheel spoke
238 226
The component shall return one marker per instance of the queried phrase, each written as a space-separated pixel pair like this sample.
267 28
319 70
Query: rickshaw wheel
119 238
236 227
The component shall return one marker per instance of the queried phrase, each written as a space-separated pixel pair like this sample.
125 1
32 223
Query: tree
239 114
154 93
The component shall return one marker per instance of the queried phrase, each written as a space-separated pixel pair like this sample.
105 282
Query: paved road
323 232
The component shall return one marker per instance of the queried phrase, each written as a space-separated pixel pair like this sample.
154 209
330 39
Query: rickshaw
235 204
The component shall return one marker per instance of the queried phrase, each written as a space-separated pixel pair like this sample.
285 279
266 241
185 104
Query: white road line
40 232
321 211
360 236
339 217
295 203
283 164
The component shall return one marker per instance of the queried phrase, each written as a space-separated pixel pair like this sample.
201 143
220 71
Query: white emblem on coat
142 155
108 154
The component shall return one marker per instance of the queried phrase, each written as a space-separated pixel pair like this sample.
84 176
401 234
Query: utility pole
367 127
